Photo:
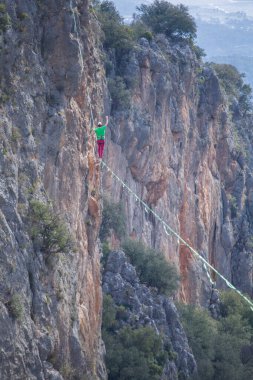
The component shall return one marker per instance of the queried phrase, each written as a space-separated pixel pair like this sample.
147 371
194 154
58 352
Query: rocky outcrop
178 148
50 311
144 307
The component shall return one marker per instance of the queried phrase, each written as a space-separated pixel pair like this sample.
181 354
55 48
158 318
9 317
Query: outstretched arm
106 120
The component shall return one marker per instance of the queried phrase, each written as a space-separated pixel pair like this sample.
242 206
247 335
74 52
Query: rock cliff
50 311
177 146
180 148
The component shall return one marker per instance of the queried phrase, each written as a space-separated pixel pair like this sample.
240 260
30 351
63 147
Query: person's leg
98 145
102 147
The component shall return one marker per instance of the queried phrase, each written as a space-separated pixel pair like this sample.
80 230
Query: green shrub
245 99
109 313
117 35
172 20
232 200
233 83
217 344
152 267
15 136
135 354
200 53
67 371
148 35
23 16
141 30
49 233
16 306
113 218
201 331
4 97
230 78
5 20
105 253
119 93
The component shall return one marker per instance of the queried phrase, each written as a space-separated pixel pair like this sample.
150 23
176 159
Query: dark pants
101 145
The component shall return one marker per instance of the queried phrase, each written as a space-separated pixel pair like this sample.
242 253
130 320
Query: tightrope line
179 238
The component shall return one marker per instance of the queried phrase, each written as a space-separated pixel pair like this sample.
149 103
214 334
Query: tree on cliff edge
172 20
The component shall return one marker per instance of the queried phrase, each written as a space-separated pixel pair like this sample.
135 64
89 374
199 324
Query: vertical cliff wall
50 309
176 146
179 148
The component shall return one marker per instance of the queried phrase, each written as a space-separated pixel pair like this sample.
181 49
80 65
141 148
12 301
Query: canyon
179 144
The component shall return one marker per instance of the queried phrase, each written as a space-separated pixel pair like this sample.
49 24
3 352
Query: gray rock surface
50 317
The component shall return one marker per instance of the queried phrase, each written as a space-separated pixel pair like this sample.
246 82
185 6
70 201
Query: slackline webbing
169 231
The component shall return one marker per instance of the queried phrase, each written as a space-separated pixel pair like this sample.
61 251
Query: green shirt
100 132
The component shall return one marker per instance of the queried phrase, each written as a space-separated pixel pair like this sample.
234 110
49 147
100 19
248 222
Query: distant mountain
126 8
226 38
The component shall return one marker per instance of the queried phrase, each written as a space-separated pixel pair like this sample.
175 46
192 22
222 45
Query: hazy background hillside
225 30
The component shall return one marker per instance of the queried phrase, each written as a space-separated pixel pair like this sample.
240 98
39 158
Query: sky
227 5
214 2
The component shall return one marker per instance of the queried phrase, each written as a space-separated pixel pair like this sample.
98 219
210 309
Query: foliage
49 233
232 200
200 53
217 344
4 97
117 35
230 78
106 251
141 30
109 313
67 371
22 16
245 98
113 218
16 307
135 354
119 93
5 20
152 267
201 330
234 86
15 135
172 20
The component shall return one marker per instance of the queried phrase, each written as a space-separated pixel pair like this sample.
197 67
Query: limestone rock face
147 308
50 310
180 150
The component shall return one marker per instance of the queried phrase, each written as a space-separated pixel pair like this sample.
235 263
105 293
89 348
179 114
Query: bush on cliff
233 83
153 269
113 218
217 344
172 20
119 93
5 20
131 353
16 306
47 230
117 35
